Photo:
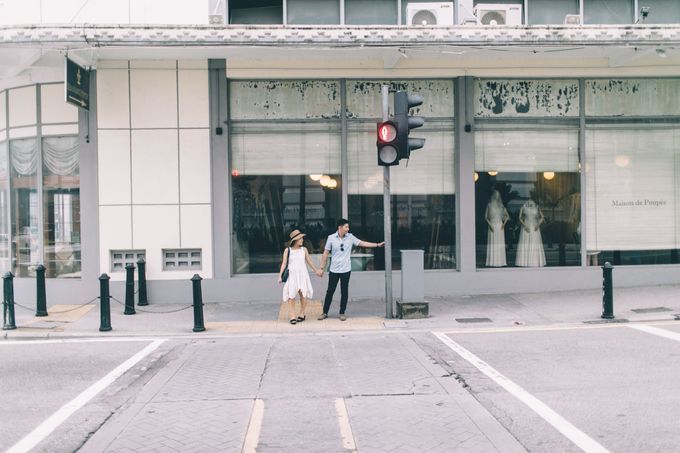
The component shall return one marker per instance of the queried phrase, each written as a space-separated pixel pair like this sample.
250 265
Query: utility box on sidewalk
412 304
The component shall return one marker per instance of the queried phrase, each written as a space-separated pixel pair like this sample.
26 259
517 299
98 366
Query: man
339 247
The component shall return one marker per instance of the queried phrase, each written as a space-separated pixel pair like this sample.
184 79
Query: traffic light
388 153
403 102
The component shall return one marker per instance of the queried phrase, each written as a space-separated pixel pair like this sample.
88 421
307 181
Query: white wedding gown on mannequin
495 240
530 251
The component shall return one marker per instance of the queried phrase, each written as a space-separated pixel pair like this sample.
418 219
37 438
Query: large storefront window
40 167
285 172
423 199
61 206
4 211
25 207
527 182
632 214
632 170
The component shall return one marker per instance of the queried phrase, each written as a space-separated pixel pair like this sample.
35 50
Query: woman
297 258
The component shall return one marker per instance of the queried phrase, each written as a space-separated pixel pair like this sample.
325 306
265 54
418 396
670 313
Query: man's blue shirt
340 250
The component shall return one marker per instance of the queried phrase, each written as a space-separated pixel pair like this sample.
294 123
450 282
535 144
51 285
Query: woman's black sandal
301 318
293 321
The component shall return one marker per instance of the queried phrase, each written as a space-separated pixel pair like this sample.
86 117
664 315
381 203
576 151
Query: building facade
552 142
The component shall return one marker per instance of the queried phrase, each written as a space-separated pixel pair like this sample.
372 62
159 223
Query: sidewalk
639 304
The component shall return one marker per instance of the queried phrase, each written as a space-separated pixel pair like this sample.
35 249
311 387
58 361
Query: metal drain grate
605 321
467 320
650 310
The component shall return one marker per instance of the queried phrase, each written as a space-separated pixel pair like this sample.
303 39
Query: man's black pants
344 289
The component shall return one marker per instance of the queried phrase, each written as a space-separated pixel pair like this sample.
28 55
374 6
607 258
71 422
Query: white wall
103 12
154 162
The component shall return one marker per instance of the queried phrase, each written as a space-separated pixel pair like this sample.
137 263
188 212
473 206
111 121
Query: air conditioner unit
216 19
498 14
439 13
572 19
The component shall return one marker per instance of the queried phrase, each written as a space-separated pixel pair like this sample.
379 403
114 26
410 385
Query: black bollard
104 304
129 289
41 298
198 303
607 291
8 302
141 279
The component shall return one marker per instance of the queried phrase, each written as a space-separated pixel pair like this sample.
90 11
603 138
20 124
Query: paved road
578 388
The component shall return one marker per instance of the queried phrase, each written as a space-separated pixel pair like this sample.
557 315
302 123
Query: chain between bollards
198 303
41 294
104 304
8 322
129 289
141 276
607 291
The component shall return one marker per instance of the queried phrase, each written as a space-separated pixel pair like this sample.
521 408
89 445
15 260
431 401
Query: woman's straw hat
295 235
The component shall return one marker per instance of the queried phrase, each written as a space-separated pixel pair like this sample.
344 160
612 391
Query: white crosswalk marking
656 331
45 428
345 427
578 437
254 426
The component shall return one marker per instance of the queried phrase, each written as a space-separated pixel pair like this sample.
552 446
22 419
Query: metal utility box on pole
412 304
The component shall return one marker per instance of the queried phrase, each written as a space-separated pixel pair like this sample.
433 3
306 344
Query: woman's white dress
298 276
495 241
530 246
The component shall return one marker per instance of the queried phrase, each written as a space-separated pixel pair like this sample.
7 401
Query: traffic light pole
387 216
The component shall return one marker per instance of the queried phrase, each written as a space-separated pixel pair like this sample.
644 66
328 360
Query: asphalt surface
505 373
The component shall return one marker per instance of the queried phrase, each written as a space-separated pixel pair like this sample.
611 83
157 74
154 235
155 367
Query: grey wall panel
89 191
220 169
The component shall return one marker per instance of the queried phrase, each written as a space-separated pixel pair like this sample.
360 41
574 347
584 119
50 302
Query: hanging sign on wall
77 85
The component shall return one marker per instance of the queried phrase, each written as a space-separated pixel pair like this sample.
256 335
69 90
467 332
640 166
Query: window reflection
61 206
419 222
4 211
25 208
267 207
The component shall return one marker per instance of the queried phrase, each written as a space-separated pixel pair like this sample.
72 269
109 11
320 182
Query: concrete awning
472 50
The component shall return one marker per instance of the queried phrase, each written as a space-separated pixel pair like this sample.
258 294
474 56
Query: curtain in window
286 149
526 150
61 155
24 156
428 171
633 193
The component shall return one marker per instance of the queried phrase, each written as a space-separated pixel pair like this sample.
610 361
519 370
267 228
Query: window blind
526 151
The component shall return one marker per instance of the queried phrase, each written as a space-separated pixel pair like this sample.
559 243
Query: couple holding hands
296 258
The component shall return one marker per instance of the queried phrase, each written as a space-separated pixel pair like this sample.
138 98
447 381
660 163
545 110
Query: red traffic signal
387 144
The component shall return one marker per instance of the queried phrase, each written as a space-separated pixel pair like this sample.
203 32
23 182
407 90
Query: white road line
578 437
254 427
74 340
656 331
345 427
45 428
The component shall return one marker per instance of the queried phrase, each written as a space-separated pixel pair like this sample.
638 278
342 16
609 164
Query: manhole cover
650 310
464 320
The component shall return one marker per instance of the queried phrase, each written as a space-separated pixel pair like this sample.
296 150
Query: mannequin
530 246
496 217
